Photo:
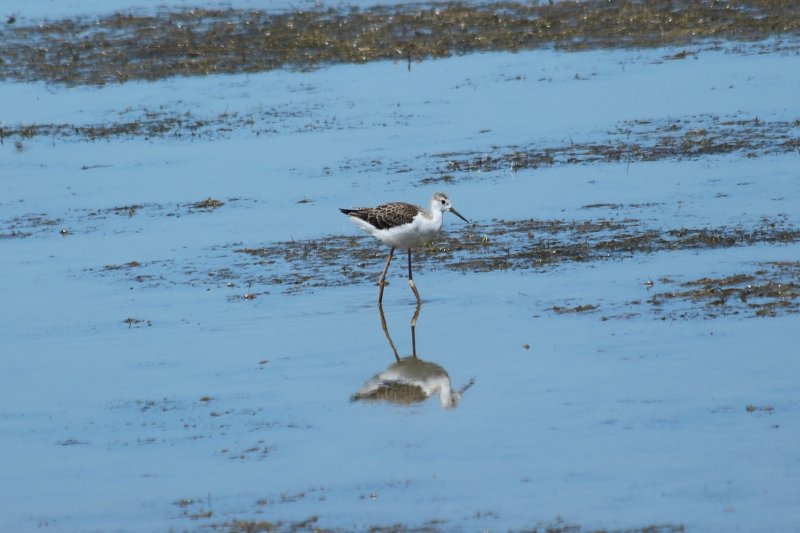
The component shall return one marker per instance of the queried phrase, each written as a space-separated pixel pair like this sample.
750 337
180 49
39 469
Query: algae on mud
771 290
645 139
127 46
77 220
149 123
504 245
638 141
312 524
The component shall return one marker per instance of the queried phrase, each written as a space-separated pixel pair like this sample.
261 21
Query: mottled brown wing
400 393
386 215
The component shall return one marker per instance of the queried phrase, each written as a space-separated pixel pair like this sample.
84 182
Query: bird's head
441 202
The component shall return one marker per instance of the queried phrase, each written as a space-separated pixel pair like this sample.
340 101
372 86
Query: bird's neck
436 214
447 397
435 223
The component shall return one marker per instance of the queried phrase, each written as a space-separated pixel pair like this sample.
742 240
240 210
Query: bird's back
384 216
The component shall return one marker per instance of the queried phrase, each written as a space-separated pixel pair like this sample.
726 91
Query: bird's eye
443 202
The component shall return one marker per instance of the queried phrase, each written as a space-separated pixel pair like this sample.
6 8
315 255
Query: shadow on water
410 380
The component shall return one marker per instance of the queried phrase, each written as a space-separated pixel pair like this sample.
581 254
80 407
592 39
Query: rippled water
209 406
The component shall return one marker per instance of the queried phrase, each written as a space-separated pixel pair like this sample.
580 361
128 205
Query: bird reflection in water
410 380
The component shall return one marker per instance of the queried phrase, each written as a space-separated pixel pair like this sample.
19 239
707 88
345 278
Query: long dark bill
456 213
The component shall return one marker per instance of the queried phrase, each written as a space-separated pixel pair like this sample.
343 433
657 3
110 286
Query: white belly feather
421 230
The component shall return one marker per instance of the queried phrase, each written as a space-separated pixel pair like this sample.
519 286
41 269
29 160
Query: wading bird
404 226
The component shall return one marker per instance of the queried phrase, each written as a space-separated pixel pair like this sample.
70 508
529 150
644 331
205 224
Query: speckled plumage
409 380
386 216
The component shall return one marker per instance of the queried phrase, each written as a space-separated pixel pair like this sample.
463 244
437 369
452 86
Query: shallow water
211 407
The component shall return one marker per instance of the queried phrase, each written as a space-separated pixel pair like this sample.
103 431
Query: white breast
422 229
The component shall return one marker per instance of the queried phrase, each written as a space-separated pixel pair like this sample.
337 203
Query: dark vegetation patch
207 204
643 140
71 442
128 46
302 265
771 290
169 122
136 322
527 244
312 524
129 264
90 220
585 308
26 225
768 409
501 245
634 141
249 272
432 526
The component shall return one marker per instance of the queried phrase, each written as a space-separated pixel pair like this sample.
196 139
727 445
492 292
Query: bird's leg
386 332
411 280
382 282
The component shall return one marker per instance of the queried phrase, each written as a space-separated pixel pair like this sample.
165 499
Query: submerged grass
683 138
434 526
642 140
303 265
172 123
499 245
772 290
84 221
124 47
